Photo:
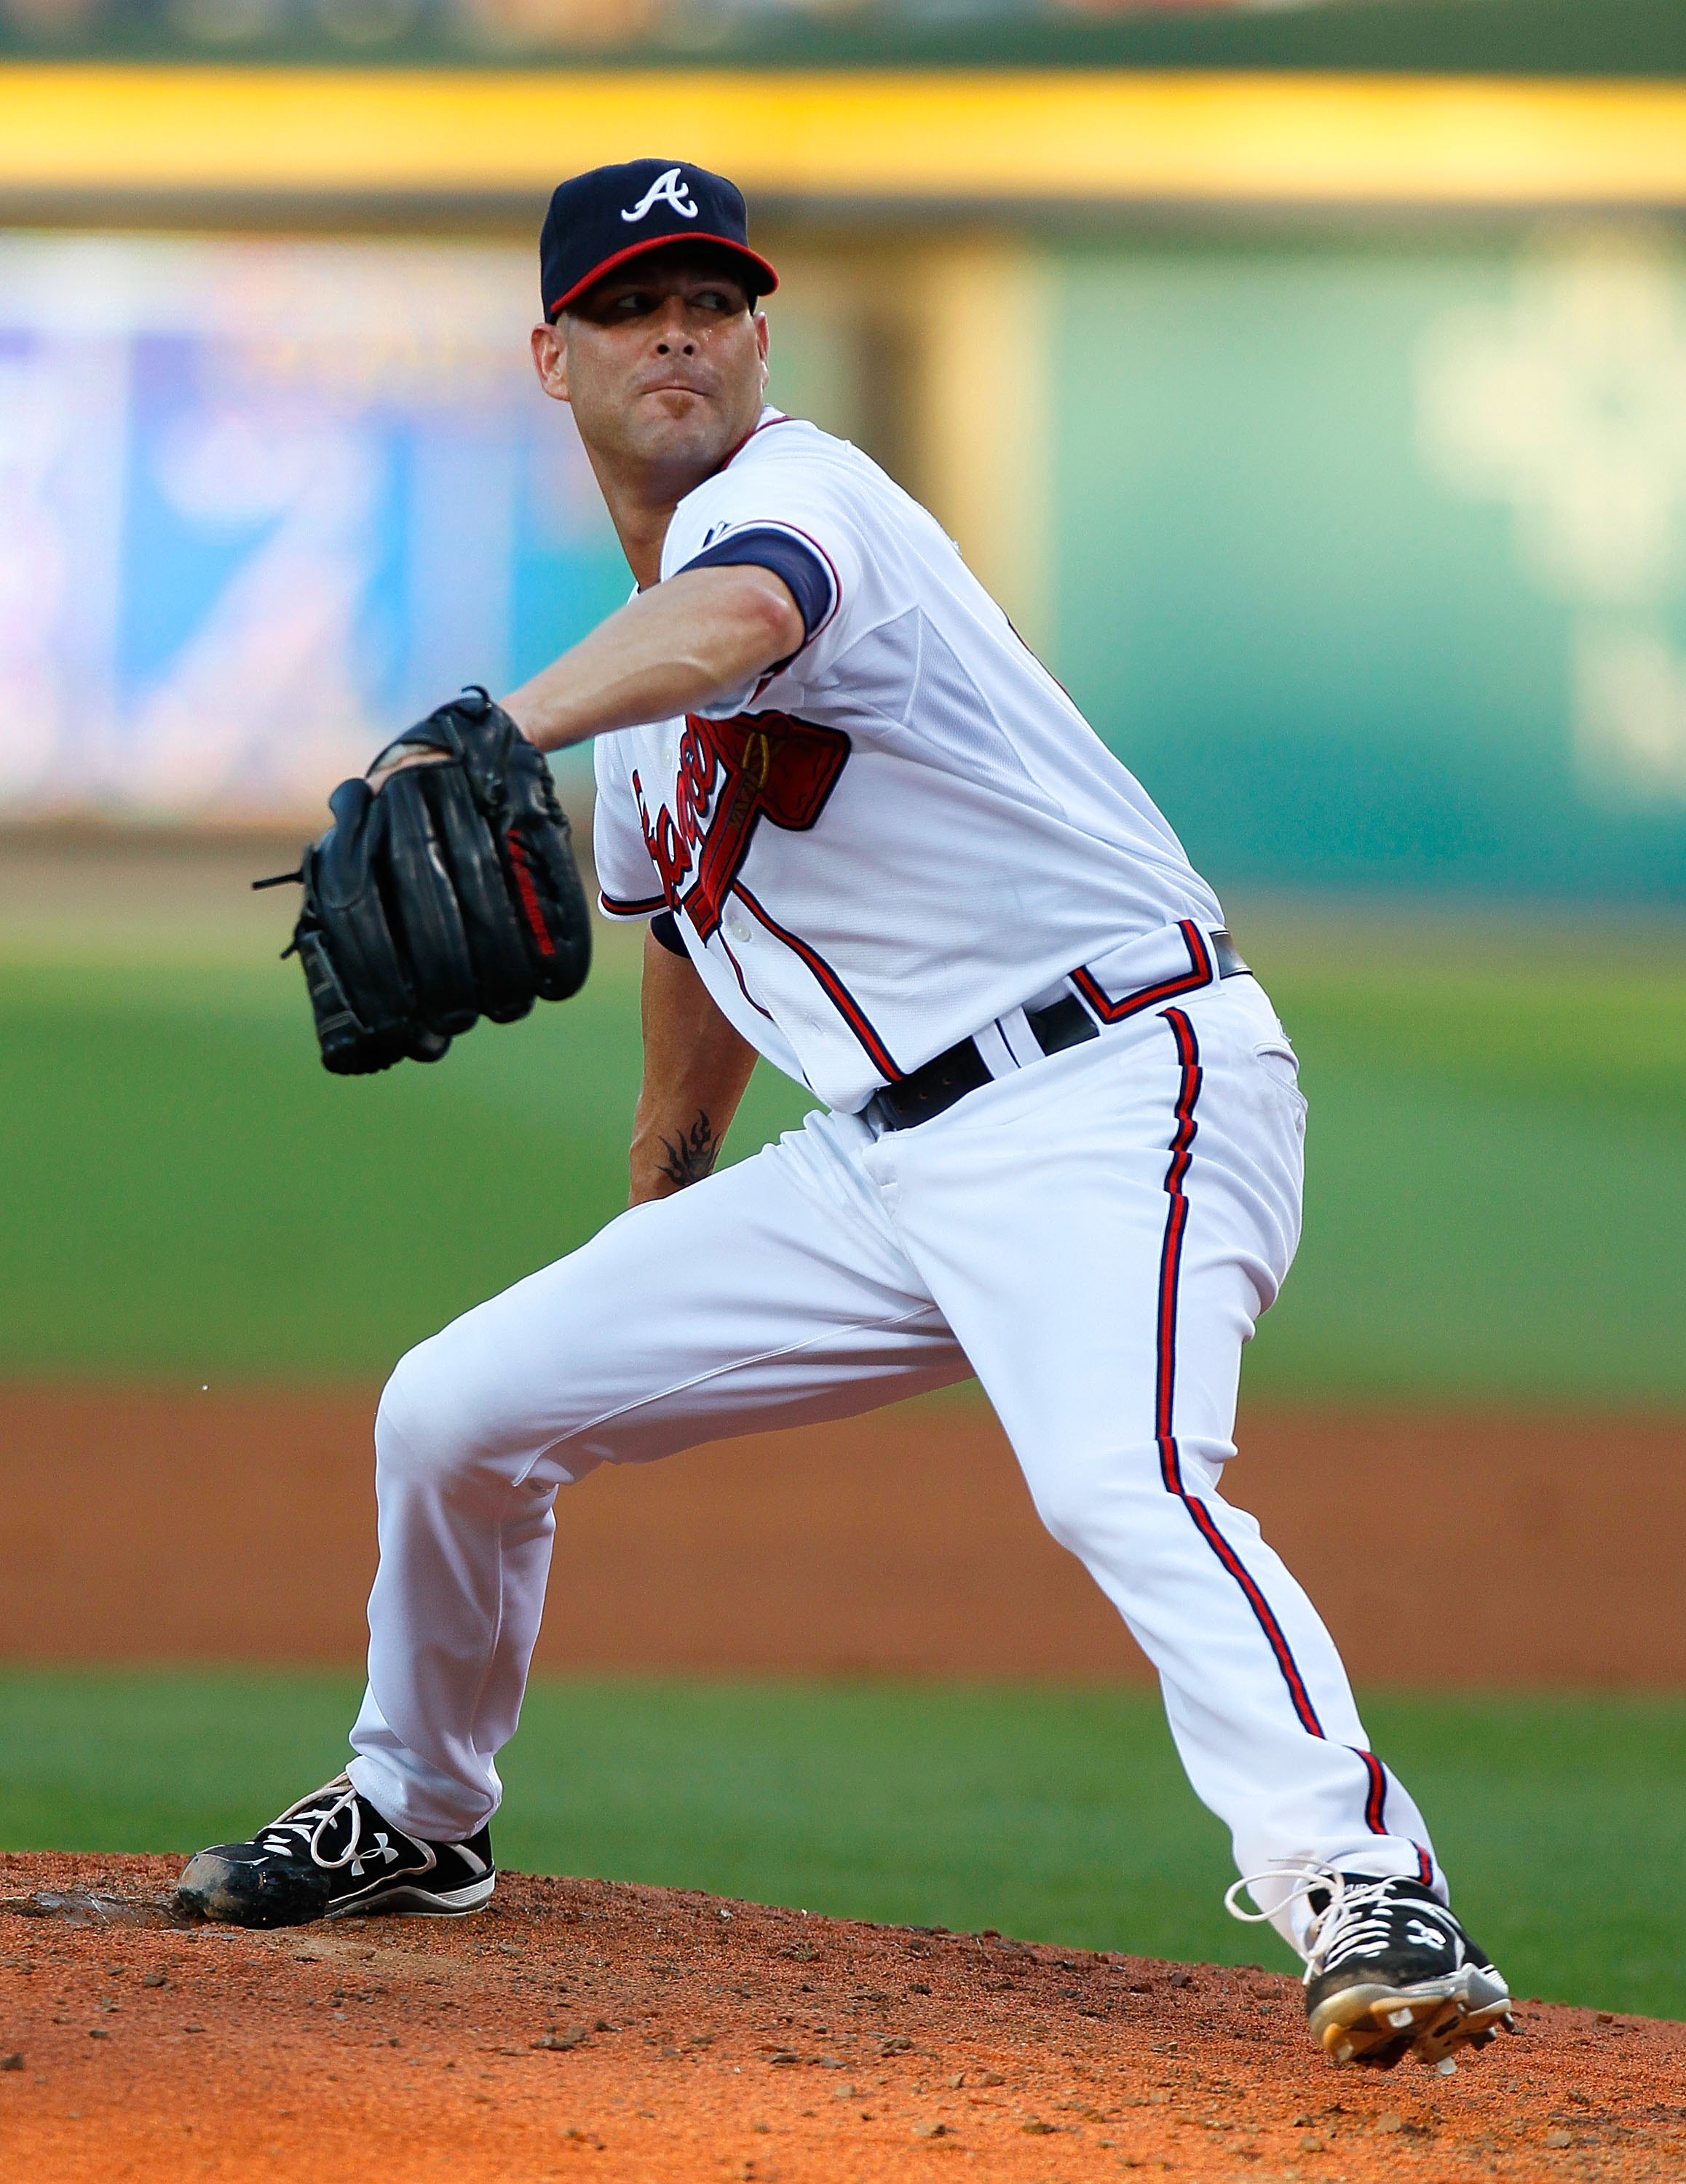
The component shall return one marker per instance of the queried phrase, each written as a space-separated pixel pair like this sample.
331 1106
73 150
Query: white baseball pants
1094 1236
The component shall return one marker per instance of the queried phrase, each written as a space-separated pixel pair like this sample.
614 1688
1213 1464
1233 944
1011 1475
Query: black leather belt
947 1078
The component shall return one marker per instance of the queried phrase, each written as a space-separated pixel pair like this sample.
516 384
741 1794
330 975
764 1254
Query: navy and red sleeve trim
627 906
802 566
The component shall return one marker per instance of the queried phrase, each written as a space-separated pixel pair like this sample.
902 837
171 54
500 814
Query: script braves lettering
731 775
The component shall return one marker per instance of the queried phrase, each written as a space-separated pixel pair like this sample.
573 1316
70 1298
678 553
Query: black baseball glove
449 895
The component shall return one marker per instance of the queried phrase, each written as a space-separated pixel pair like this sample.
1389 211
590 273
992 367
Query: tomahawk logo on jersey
731 775
900 833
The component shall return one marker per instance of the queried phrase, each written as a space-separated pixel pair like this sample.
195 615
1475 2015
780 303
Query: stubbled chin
696 433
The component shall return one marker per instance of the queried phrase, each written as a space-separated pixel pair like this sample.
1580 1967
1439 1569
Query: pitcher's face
664 363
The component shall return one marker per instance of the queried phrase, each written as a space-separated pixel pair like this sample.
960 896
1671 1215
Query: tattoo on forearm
694 1155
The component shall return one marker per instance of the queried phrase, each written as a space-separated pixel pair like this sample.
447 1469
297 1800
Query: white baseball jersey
902 833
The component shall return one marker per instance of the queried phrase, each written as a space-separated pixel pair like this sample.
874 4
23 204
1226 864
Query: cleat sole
1378 2025
421 1903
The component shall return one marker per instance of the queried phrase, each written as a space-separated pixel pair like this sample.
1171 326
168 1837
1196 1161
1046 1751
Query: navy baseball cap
599 219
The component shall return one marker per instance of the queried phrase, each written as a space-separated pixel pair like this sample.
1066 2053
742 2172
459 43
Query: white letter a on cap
670 186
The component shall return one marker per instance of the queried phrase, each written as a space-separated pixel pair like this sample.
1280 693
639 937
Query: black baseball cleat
330 1855
1390 1973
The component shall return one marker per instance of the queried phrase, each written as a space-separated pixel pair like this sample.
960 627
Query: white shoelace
1356 1916
323 1817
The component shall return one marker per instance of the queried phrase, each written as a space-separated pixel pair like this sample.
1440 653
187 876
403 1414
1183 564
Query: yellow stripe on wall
969 135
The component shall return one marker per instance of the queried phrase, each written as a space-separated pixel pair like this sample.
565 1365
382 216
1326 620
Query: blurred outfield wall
1372 557
1358 530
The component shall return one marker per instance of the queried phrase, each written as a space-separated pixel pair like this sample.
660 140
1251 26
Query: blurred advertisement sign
1369 553
1568 405
261 505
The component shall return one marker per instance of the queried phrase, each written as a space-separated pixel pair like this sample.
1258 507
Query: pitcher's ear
550 360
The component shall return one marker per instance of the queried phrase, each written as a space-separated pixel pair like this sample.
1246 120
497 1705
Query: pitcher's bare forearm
695 1069
676 646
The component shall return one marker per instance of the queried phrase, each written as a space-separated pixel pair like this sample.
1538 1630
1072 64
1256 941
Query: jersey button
739 929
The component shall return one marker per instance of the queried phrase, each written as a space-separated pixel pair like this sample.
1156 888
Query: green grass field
1496 1194
1058 1815
1496 1198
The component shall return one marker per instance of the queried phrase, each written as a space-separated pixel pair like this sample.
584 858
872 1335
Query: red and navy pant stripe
1184 1131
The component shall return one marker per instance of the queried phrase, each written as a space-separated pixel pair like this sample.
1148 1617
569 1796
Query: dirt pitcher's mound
585 2030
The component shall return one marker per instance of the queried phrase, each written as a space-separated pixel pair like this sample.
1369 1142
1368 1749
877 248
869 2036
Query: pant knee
1069 1505
1074 1520
454 1418
1120 1503
421 1433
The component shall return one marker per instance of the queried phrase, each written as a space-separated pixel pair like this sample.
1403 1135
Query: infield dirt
585 2030
239 1525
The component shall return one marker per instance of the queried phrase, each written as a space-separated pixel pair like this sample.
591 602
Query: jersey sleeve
787 509
804 570
628 886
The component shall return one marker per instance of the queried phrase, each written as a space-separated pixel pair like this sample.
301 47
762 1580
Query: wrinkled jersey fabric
899 834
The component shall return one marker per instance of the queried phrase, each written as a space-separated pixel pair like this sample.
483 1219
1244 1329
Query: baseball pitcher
870 837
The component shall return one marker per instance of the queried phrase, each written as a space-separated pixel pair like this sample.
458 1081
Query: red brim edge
769 278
